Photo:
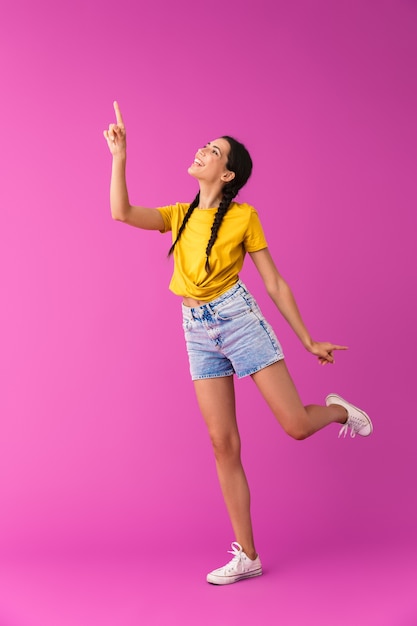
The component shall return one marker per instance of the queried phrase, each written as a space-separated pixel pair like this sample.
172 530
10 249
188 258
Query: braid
187 216
228 194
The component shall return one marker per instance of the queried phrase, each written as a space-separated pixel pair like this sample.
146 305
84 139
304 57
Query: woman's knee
296 426
297 433
226 448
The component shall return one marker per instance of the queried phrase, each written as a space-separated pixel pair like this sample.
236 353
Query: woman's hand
116 134
323 350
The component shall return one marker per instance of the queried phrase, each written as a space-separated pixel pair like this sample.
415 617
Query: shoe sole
347 405
224 580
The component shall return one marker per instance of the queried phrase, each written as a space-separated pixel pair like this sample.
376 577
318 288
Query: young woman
225 331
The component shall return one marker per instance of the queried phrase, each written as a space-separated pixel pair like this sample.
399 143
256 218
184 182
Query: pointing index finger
119 118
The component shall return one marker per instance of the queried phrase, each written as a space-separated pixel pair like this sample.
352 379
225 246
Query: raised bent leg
300 422
216 399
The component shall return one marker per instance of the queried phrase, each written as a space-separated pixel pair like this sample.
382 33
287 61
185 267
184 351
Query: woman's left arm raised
280 292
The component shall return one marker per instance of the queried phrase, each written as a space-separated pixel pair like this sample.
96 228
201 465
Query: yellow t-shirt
240 232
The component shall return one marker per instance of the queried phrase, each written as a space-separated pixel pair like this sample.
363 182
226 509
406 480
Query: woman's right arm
121 209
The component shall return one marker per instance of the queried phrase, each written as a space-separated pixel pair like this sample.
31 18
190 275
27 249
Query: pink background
103 454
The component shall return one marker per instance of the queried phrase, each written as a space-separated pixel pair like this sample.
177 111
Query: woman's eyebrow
214 146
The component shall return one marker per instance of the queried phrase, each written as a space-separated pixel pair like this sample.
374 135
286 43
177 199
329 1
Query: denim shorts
229 335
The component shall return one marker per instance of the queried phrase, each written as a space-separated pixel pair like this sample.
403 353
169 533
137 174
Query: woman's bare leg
300 422
216 399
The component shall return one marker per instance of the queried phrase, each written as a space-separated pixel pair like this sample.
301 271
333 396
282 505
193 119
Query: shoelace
354 423
344 431
237 552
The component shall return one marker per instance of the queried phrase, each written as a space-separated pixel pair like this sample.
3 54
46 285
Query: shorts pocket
187 324
233 308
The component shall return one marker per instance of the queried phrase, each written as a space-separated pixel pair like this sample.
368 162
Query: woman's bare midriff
193 303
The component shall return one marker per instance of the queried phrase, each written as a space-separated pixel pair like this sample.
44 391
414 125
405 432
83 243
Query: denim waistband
238 287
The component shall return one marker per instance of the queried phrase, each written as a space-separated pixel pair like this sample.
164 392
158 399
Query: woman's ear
228 176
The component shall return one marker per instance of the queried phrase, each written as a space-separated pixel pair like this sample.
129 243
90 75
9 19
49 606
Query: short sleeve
254 237
166 212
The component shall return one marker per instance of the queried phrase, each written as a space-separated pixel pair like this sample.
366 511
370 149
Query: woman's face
210 162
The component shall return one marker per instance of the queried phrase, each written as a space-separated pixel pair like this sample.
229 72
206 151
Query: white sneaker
358 421
240 567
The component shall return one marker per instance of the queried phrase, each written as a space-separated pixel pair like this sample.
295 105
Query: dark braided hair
239 162
228 194
187 216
